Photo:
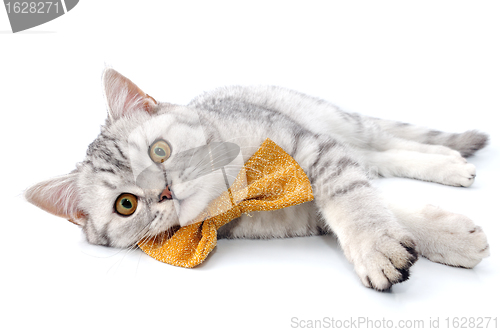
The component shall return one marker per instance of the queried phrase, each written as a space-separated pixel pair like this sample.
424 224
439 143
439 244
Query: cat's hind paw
454 171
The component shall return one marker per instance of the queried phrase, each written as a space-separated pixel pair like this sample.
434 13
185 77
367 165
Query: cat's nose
166 194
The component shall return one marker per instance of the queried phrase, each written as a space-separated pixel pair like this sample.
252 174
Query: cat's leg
444 237
445 169
381 250
388 142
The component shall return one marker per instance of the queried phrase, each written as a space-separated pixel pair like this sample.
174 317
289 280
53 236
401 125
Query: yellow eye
126 204
159 151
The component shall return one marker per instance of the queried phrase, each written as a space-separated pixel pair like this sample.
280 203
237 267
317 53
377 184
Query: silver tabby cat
131 186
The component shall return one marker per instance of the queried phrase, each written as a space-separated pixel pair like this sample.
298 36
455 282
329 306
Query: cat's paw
382 261
455 241
456 171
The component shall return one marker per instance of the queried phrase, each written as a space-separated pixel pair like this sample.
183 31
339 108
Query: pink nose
165 194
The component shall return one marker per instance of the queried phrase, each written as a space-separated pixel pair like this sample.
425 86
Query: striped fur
339 151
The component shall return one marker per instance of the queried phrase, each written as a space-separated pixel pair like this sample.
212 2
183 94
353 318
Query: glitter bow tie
270 180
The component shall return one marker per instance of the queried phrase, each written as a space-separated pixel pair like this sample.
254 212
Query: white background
434 63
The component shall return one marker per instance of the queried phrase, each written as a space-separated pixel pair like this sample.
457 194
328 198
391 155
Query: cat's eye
126 204
159 151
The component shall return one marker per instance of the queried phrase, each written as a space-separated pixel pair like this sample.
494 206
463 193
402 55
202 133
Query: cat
127 188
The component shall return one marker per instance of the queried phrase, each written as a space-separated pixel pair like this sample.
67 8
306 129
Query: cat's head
137 179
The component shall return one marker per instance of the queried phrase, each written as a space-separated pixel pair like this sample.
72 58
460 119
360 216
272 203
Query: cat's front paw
382 261
455 241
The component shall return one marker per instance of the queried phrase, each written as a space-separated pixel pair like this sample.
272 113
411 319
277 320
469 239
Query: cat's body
339 151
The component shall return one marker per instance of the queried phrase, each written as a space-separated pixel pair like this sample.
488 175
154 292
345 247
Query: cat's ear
58 196
124 97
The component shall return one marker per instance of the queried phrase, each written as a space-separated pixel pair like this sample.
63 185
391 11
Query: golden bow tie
270 180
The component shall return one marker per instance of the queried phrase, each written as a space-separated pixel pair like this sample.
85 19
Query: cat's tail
467 143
